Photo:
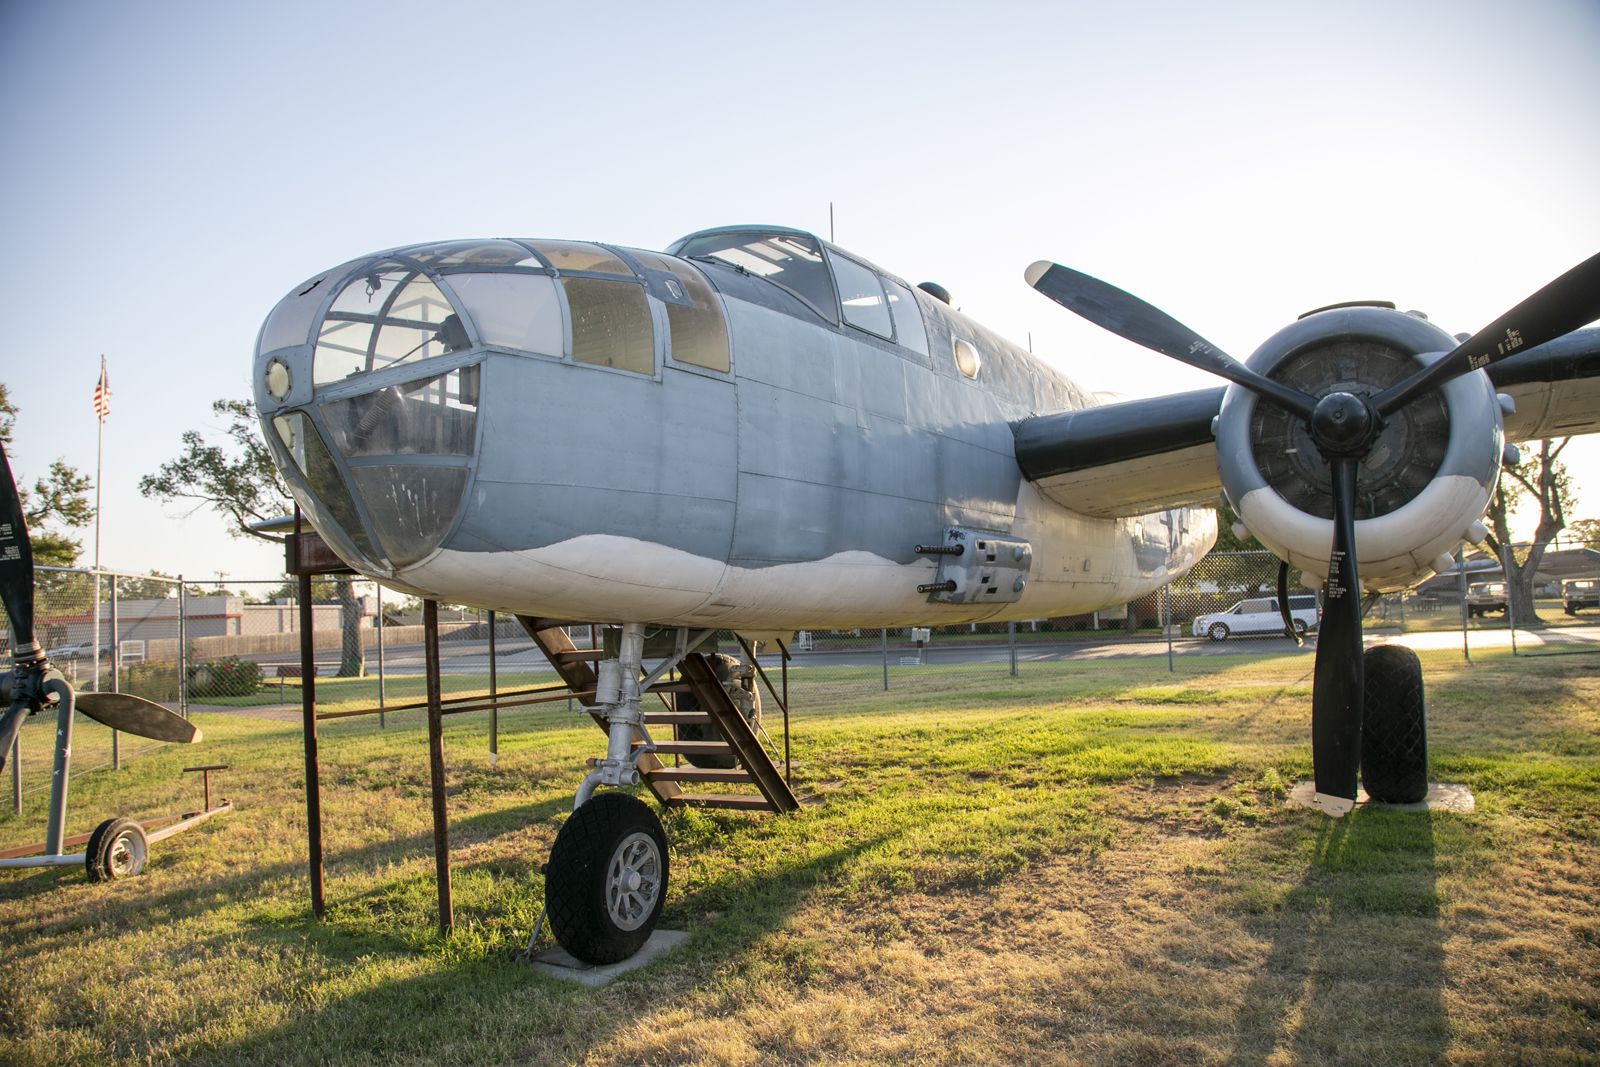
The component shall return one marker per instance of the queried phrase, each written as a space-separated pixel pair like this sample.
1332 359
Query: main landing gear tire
118 848
1394 726
1218 632
607 878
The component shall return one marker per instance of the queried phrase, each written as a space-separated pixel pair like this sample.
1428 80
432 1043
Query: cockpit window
861 296
520 311
383 318
578 255
908 328
789 260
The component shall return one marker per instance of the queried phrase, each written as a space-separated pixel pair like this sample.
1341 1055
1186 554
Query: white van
1259 616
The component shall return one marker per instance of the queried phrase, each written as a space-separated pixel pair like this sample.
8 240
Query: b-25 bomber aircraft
758 431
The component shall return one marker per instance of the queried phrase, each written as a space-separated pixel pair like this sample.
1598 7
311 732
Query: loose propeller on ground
24 684
1344 427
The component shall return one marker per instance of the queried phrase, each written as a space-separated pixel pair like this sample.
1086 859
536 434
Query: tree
60 498
238 478
1542 477
1584 529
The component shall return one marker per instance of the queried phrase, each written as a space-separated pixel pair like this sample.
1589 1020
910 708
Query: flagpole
99 461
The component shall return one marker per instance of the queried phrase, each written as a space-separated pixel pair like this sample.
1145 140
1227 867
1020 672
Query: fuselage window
383 318
520 311
611 324
967 361
908 326
861 297
699 336
787 260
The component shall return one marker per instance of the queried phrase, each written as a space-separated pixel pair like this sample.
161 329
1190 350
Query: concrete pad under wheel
559 963
1442 796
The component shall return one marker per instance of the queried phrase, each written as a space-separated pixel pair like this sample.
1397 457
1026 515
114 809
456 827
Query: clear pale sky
171 170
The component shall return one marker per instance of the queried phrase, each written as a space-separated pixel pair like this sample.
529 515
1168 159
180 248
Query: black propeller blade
16 562
1571 301
1128 317
1337 682
136 715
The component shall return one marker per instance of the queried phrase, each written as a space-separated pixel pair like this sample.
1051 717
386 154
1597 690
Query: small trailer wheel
117 849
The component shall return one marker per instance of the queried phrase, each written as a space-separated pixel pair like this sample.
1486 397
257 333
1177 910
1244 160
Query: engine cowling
1422 488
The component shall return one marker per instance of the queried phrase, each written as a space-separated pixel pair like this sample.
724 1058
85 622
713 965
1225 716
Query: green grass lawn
1089 863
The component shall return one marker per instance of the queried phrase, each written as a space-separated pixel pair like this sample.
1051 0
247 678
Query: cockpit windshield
790 260
384 317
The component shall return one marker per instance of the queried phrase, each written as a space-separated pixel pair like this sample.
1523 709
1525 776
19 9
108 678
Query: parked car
76 650
1259 616
1581 593
1485 597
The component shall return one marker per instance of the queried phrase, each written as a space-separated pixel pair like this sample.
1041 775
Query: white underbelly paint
1079 567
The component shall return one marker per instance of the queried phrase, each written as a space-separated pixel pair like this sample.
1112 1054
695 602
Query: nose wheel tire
1218 632
1394 726
607 878
118 848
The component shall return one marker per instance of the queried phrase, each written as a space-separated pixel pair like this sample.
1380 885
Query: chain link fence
236 651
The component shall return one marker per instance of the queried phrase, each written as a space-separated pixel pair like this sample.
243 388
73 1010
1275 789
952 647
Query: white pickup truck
1259 616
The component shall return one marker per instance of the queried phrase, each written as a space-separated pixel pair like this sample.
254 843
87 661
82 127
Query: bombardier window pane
384 318
519 311
579 255
329 503
412 507
909 330
789 260
699 335
437 416
611 324
861 297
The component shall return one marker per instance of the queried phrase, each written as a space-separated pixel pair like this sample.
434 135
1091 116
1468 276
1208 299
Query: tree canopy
235 476
57 502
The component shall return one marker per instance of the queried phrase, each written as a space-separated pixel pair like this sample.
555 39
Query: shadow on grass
1356 969
490 1010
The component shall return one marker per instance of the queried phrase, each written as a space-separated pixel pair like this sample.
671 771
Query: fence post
1461 561
885 633
16 775
381 714
494 689
1166 622
183 650
1011 639
1507 558
116 669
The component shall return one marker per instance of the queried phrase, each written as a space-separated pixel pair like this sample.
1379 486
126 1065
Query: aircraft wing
1148 455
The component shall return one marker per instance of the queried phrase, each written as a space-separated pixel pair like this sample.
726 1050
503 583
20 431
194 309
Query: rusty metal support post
308 723
788 762
441 828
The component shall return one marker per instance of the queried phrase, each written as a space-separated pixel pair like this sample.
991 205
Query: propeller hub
1342 423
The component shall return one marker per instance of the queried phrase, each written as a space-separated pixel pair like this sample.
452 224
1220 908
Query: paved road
516 656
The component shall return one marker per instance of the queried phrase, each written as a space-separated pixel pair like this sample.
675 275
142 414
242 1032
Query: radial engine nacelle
1427 480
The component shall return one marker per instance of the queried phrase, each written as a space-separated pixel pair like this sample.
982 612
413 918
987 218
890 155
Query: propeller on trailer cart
24 688
1343 426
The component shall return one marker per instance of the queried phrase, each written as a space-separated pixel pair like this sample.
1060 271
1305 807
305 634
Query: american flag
102 393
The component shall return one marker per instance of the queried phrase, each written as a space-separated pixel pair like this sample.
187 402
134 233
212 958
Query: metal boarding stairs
756 765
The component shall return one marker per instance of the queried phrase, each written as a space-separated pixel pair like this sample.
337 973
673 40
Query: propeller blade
16 560
1571 301
1130 318
1336 687
1283 605
135 715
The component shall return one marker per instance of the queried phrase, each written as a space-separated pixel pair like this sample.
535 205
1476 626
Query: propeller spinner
1344 427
